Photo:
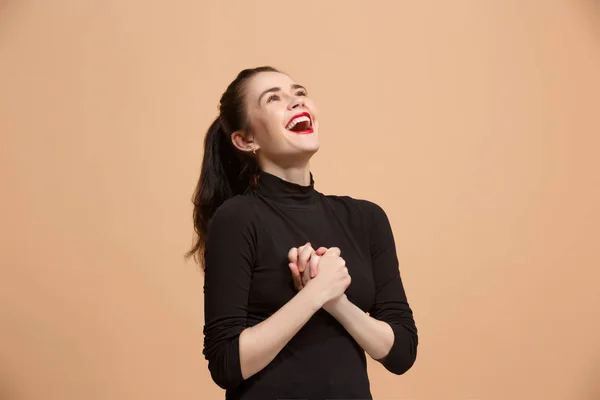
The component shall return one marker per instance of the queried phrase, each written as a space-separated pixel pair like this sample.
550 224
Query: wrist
314 297
335 305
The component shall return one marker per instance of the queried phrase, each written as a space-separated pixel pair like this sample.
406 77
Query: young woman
298 285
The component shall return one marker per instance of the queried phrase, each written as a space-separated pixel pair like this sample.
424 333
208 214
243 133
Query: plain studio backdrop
475 124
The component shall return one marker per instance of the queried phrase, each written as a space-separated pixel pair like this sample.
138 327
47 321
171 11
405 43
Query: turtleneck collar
284 192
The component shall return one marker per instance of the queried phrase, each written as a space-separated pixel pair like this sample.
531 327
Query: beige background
473 123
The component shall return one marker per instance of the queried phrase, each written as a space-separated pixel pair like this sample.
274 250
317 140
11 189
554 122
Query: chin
310 144
309 151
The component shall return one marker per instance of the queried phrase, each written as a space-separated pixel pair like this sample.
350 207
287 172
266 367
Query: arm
235 352
389 334
374 336
261 343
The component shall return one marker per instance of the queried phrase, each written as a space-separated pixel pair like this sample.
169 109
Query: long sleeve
230 252
391 304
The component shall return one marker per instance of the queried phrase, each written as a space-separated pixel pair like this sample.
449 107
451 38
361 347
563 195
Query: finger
305 277
304 256
301 248
293 255
333 251
304 245
296 276
298 251
313 265
321 251
294 270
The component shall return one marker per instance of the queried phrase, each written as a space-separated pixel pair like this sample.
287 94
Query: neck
287 187
299 175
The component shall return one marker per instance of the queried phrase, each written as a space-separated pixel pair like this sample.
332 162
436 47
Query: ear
241 141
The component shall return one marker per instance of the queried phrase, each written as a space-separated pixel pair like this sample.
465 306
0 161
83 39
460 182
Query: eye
272 97
301 92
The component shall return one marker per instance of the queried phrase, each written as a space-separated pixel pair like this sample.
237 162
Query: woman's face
283 120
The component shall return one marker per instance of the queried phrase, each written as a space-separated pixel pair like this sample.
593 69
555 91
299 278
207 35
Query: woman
285 315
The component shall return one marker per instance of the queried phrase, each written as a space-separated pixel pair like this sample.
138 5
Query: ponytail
225 172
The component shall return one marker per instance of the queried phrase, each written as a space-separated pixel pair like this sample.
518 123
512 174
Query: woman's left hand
303 264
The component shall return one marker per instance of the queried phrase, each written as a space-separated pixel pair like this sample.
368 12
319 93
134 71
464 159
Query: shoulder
367 209
236 212
372 220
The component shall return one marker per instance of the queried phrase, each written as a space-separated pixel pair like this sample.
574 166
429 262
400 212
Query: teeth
293 122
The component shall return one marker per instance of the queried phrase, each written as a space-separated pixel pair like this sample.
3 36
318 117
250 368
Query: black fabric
247 279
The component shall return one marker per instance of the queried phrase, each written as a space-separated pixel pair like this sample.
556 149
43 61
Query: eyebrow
277 89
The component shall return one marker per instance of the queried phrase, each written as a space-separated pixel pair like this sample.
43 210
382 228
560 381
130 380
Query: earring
254 150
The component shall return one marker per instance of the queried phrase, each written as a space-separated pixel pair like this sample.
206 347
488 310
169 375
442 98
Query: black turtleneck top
248 279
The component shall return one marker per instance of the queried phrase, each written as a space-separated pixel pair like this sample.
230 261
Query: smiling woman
285 315
282 111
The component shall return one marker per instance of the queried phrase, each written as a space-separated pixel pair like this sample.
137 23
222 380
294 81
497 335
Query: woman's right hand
303 264
332 280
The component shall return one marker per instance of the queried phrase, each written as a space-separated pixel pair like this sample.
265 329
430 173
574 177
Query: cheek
274 125
268 127
269 119
312 107
276 117
266 131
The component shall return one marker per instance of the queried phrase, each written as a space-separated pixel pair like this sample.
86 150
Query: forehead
267 80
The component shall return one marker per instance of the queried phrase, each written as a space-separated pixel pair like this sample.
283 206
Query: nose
296 102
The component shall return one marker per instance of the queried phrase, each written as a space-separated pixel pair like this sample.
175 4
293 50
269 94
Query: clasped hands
322 270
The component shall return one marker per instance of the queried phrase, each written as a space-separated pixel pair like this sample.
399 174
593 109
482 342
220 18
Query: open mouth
300 123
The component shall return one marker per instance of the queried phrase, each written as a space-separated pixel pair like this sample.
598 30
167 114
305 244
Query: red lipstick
310 125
